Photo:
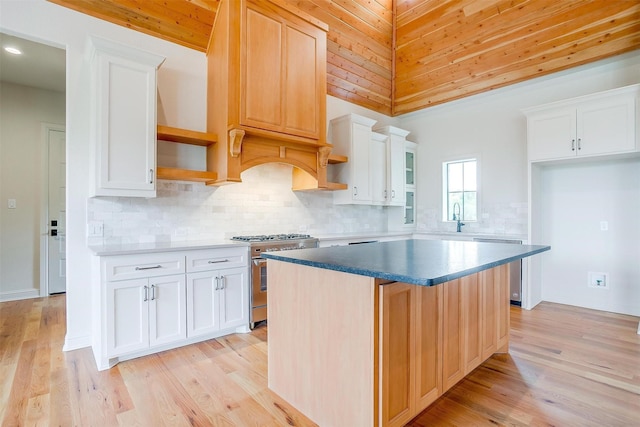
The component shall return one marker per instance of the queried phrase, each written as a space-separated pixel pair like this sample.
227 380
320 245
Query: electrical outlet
598 280
95 229
604 225
180 231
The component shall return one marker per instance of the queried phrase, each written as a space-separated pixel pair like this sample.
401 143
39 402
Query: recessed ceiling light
13 50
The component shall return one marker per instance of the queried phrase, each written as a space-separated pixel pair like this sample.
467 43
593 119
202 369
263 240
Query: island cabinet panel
411 341
472 321
323 338
398 354
452 335
501 278
428 345
490 302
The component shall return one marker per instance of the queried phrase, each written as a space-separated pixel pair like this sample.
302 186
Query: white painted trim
75 343
18 295
44 209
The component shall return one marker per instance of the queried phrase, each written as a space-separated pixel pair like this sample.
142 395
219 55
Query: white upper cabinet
351 137
395 162
123 124
598 124
378 167
375 172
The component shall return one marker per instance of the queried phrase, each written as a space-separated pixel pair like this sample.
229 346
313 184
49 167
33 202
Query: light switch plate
11 203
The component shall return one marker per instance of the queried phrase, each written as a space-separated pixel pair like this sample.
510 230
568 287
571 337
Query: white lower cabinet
216 300
143 313
154 302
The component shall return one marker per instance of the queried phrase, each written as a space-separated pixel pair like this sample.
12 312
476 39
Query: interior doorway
55 254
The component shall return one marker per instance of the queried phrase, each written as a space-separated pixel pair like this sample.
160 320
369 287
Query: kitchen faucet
456 217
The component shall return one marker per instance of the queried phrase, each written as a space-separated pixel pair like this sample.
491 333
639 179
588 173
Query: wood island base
352 350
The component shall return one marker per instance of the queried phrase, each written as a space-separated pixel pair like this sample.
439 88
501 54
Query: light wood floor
567 367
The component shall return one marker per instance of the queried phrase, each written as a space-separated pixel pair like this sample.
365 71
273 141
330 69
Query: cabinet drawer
214 259
139 266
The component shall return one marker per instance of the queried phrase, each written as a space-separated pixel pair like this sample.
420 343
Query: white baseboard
75 343
18 295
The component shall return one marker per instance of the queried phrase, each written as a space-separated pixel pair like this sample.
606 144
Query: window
460 193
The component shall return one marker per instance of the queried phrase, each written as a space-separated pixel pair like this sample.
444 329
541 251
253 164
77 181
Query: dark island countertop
419 262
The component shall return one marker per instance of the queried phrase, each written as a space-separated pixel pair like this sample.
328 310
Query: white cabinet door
360 169
552 134
216 300
378 164
351 137
593 125
167 317
396 174
124 121
606 126
234 300
202 303
127 316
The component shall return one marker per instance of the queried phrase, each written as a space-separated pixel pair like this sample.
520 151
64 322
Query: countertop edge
147 248
422 281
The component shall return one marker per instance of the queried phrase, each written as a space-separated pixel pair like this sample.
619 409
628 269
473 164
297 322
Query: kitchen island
370 335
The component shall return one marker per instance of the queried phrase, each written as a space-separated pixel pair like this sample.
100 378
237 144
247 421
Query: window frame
444 187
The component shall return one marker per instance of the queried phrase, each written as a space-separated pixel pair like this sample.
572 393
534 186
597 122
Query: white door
56 253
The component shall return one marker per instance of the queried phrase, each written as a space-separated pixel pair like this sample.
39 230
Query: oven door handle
258 261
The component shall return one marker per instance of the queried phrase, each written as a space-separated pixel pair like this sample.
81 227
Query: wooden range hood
266 92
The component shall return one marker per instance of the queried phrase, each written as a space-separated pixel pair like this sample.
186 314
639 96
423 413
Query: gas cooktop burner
271 237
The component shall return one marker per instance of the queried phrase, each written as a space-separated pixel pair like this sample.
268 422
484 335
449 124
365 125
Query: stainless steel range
258 276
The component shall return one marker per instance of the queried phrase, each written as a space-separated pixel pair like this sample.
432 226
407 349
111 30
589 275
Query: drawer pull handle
146 293
218 261
148 268
153 292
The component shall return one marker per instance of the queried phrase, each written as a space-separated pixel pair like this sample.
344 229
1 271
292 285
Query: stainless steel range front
258 276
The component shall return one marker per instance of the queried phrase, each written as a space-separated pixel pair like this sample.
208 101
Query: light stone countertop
154 247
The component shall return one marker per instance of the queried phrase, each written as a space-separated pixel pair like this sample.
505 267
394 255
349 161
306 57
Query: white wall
491 127
575 199
182 95
22 112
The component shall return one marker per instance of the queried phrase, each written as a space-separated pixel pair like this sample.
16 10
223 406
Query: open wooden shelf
331 186
336 186
183 136
336 158
187 175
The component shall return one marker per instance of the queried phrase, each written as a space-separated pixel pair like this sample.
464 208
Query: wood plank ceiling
398 56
